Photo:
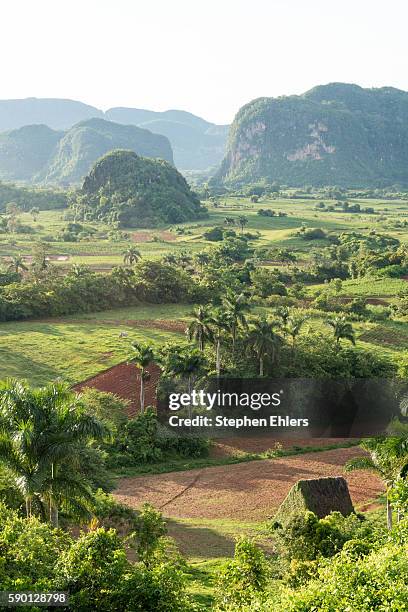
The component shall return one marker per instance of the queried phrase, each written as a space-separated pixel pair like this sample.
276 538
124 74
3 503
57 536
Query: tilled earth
249 491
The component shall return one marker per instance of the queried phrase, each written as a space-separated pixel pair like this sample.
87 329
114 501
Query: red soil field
124 381
247 491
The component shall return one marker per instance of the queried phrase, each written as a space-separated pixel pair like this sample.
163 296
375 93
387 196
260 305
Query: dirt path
246 491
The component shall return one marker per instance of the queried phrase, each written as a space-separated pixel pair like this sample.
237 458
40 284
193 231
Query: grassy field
368 287
78 347
75 348
101 252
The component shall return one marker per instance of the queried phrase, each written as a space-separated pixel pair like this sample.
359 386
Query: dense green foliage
335 134
28 197
129 190
94 568
47 294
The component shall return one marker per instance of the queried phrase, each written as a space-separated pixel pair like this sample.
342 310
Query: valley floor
249 492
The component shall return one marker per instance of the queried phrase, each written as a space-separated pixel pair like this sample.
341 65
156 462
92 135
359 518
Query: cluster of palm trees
242 221
222 324
42 436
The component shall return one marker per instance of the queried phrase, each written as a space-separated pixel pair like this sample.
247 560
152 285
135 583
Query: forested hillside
126 189
38 154
336 134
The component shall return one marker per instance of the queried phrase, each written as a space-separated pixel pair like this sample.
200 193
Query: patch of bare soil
246 491
376 302
124 381
148 236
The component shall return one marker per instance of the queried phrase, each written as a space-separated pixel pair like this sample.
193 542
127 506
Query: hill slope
135 191
336 134
85 142
24 152
38 154
197 144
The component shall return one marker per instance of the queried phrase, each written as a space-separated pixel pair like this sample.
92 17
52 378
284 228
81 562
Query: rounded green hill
134 191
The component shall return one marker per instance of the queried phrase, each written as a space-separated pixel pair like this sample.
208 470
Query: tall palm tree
142 356
342 330
17 263
42 432
184 260
202 259
242 220
220 321
200 327
131 255
387 459
183 362
236 307
263 340
293 327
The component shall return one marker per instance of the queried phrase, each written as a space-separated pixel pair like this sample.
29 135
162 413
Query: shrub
305 537
376 581
215 234
140 438
243 578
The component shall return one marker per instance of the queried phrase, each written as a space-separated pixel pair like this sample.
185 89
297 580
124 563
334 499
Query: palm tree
182 362
263 340
131 255
170 259
342 330
293 327
242 220
34 212
387 459
142 357
235 306
17 263
42 433
200 326
202 259
184 260
283 313
220 321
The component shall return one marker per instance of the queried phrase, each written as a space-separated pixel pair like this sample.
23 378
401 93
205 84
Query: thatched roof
319 495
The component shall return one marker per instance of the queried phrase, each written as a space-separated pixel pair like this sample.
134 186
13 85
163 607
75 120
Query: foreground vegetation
272 282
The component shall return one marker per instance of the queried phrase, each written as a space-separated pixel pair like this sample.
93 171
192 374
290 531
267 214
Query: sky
206 56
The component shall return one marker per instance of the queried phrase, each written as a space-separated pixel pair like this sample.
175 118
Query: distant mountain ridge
197 144
335 134
56 113
39 154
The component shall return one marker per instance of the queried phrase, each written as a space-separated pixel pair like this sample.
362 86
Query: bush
185 446
140 439
29 551
305 537
377 581
215 234
243 578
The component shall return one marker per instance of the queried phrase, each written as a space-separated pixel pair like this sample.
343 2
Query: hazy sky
206 56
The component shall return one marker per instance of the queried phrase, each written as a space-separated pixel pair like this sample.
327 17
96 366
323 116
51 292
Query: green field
278 231
75 348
